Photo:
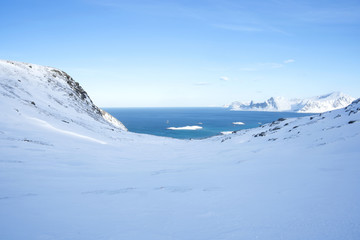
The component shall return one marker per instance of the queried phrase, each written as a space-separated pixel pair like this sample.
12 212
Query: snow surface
65 173
185 128
319 104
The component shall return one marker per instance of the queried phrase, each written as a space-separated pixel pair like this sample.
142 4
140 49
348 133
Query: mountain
29 90
67 173
317 104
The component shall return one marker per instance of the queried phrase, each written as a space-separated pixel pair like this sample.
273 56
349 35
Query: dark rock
262 134
276 128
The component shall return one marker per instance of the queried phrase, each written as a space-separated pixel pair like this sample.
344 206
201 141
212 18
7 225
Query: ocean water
210 121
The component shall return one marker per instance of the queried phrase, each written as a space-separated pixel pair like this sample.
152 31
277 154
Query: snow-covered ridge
51 92
318 104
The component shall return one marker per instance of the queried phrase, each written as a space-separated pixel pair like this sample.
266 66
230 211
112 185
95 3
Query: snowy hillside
66 173
328 102
51 93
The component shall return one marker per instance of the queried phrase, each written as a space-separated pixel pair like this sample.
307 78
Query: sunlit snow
290 179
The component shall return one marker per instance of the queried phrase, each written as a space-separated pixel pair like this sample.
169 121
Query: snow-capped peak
318 104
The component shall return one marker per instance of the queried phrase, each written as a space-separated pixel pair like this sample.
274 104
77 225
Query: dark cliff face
79 92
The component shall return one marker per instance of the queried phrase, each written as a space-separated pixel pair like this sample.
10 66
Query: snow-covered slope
311 129
82 178
317 104
50 92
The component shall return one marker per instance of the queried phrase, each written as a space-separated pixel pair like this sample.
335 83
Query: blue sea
212 121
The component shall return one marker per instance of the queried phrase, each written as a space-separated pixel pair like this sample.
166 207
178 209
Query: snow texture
66 173
319 104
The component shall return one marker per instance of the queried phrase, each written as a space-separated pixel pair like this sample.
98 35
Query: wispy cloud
329 15
227 15
289 61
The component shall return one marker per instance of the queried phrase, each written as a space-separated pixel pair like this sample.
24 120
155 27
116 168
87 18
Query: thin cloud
331 15
222 15
289 61
271 65
223 78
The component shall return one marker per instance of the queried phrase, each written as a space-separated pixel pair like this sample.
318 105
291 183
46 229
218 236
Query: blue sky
189 53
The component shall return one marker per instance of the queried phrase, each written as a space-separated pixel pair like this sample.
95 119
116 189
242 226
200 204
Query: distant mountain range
318 104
